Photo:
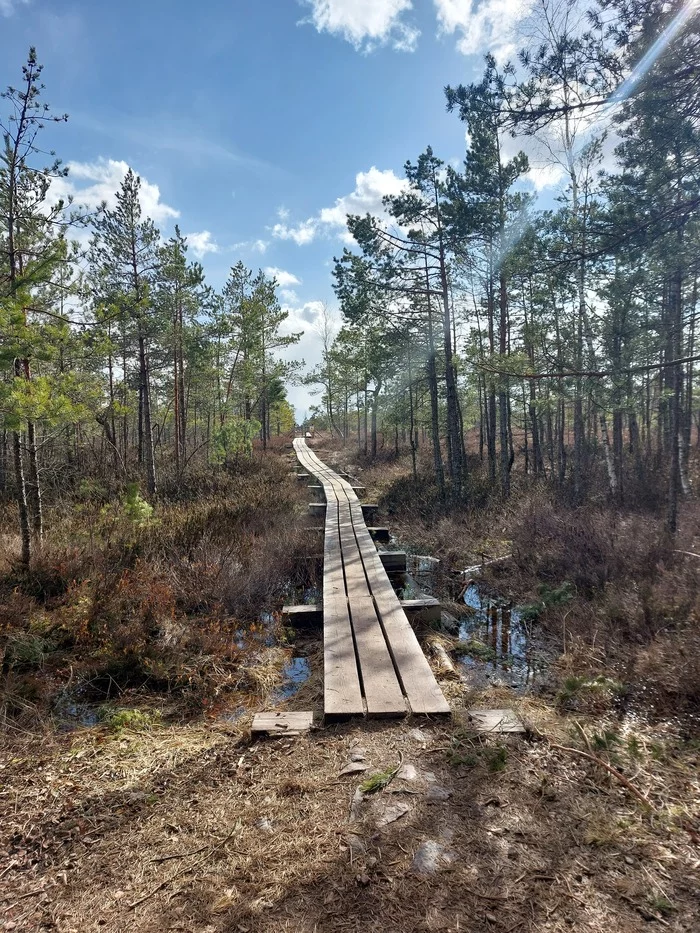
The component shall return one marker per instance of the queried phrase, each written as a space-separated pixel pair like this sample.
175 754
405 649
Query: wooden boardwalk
373 662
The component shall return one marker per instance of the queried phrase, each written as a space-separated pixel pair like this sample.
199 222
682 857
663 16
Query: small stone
263 824
356 805
363 880
417 735
407 772
354 767
357 753
392 813
430 857
437 793
629 860
356 844
371 862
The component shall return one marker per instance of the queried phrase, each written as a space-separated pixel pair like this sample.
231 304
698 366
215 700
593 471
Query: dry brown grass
194 828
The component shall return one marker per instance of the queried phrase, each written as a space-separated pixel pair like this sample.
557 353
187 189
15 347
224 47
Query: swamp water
496 644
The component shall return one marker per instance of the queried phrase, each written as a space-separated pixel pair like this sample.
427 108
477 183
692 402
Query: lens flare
654 52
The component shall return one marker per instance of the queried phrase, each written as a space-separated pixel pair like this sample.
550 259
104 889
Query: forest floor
166 822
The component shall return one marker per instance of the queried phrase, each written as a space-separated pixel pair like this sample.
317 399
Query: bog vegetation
495 344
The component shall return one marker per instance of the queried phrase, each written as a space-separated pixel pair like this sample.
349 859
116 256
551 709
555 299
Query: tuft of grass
378 781
26 650
475 649
136 720
605 741
661 904
576 686
496 758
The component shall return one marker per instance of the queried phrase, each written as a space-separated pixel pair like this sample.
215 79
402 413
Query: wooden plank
282 723
393 561
342 696
382 690
381 687
419 683
414 671
427 609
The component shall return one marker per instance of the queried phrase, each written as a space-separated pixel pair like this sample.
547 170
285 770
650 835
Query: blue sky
256 124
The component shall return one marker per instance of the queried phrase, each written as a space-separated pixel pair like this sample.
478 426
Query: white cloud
7 7
302 234
284 279
289 296
366 24
283 213
548 175
92 183
366 198
251 246
202 243
370 188
489 25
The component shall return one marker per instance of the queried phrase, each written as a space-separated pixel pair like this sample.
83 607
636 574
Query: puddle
295 673
498 642
69 713
497 645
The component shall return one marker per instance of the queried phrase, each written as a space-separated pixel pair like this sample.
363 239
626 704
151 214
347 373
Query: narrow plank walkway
373 662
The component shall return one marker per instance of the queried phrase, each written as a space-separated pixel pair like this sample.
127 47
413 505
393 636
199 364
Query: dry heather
169 600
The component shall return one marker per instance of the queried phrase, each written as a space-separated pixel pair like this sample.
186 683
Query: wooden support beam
303 616
393 561
380 534
369 508
301 476
317 508
426 609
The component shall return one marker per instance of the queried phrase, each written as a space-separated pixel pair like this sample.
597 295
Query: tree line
116 357
557 341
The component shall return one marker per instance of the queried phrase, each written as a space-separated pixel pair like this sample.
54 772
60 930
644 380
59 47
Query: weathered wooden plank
419 683
283 722
393 561
383 693
342 696
414 671
426 609
303 615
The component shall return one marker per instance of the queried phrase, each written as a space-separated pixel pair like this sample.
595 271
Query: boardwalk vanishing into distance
373 662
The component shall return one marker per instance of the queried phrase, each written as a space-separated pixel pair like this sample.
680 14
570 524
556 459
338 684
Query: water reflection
495 637
296 672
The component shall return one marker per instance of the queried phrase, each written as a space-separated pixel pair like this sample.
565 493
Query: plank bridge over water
373 663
